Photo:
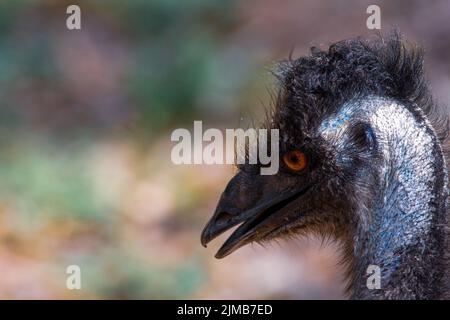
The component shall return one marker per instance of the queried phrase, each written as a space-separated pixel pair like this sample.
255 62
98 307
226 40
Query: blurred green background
85 124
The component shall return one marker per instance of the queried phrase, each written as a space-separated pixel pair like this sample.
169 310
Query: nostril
224 217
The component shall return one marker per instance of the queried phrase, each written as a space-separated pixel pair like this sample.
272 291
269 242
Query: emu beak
261 219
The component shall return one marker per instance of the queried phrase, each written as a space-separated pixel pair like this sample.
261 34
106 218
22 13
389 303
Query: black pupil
294 158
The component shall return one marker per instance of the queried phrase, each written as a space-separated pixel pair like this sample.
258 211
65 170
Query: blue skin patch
370 135
339 121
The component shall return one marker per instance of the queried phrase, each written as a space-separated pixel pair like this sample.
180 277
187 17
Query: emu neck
403 233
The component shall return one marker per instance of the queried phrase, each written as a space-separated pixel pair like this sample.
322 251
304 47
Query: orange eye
295 160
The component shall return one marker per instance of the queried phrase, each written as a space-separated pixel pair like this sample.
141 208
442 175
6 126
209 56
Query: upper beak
264 217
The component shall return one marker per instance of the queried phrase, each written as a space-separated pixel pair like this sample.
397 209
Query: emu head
355 138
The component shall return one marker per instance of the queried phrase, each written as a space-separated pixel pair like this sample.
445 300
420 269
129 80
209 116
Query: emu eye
295 160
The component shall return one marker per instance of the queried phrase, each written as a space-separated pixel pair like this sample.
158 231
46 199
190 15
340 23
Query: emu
361 160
